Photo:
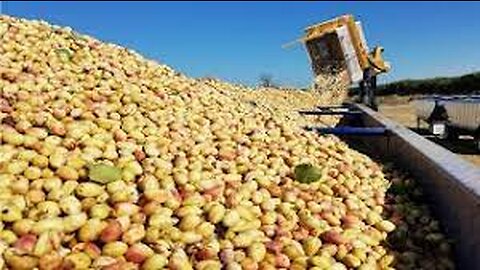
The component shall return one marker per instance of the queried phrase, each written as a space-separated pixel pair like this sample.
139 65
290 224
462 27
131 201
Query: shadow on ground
463 146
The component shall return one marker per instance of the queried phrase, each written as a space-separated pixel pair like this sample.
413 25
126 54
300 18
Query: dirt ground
400 109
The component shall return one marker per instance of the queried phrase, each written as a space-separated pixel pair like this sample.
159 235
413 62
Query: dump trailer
450 116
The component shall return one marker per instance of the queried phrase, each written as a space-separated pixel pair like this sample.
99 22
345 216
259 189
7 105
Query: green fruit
307 173
103 173
64 54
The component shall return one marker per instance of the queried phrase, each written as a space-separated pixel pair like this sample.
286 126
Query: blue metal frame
359 131
330 112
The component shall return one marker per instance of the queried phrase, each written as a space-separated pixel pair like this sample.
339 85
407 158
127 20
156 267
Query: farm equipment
450 116
339 45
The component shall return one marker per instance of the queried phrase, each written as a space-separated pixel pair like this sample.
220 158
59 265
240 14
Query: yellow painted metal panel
319 30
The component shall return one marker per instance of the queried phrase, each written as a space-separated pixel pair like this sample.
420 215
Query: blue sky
238 41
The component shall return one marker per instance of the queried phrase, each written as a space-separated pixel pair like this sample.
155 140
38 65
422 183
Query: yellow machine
338 45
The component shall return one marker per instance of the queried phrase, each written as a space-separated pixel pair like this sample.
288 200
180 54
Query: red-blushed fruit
227 155
112 232
26 243
214 192
92 250
58 129
349 220
205 254
139 155
120 136
5 106
274 246
333 237
301 234
134 254
282 261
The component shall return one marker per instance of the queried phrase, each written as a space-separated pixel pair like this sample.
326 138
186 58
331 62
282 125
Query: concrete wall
451 184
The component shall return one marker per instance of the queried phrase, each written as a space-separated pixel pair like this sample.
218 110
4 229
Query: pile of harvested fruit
111 161
417 242
286 103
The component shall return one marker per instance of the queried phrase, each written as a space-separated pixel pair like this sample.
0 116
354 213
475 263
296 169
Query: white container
463 113
351 61
335 50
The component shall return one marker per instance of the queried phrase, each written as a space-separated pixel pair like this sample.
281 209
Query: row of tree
466 84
